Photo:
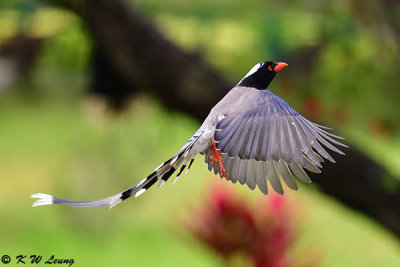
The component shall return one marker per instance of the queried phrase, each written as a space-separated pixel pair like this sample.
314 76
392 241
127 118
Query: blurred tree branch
147 61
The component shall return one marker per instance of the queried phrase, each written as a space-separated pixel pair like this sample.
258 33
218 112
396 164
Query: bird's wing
264 137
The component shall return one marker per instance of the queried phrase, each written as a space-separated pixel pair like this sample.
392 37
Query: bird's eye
270 68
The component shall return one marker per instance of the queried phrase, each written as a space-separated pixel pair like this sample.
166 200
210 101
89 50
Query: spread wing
264 138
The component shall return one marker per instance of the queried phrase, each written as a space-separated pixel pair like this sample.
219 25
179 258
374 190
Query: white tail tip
43 199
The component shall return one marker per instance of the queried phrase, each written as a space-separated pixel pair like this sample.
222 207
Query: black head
261 75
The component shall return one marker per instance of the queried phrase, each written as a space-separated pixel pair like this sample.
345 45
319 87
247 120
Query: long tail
161 173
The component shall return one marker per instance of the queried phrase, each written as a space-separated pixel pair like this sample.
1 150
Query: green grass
69 149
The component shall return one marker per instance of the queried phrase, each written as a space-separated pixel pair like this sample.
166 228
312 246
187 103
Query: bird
251 136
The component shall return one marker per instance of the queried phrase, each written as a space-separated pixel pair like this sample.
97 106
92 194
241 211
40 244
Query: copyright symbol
5 259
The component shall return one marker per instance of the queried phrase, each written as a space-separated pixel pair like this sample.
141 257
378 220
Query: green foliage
67 47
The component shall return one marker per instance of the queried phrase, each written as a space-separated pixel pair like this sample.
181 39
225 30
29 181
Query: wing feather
299 172
314 143
251 137
265 136
317 135
250 174
287 176
224 135
241 171
262 138
260 177
287 141
305 146
240 143
231 145
272 176
229 167
273 145
310 166
260 125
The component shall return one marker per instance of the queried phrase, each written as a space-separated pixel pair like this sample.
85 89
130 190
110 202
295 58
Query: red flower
228 224
225 223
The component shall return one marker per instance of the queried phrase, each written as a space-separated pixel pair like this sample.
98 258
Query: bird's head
261 75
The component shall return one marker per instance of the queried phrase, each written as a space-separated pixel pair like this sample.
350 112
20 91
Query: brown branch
148 61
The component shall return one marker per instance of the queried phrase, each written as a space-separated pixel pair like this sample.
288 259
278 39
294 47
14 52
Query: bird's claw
216 159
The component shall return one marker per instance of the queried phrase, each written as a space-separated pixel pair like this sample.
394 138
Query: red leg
216 159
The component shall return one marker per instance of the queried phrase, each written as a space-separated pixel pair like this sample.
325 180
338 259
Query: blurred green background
54 139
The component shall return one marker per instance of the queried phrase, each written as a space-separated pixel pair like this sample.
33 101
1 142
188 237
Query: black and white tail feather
162 173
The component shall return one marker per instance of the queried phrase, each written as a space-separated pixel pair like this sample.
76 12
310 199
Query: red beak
279 66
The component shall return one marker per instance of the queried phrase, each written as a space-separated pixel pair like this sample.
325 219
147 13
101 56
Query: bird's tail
162 173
